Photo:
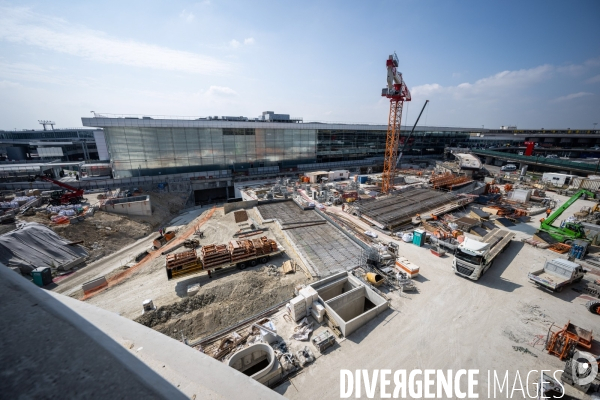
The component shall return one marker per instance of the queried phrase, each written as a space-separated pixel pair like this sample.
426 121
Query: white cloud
187 16
572 96
22 26
221 91
594 79
8 84
504 82
236 43
578 69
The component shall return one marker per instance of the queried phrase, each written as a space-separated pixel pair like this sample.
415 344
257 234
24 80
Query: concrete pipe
374 279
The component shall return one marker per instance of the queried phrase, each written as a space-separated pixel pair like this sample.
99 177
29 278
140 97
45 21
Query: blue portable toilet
419 237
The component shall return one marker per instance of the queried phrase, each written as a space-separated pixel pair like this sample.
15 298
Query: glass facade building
149 146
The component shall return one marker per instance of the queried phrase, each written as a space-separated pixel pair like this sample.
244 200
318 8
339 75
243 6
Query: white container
298 303
315 314
319 308
310 294
402 264
298 315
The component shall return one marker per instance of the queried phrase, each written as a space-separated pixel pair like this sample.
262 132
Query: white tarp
35 245
474 245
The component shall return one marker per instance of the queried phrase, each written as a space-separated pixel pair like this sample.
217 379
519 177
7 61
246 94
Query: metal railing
553 162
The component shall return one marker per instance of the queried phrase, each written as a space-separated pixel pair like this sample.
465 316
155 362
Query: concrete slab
454 323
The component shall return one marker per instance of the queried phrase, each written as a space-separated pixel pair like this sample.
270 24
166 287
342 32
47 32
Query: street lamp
595 123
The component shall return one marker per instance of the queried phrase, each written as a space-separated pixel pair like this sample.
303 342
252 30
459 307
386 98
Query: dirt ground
230 296
222 303
105 233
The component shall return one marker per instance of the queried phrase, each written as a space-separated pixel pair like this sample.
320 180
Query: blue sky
534 64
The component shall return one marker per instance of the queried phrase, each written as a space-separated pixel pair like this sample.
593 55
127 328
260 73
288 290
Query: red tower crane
398 93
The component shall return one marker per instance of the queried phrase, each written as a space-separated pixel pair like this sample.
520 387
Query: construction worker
548 211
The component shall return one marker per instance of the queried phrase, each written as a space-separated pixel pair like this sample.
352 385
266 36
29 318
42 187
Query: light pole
595 123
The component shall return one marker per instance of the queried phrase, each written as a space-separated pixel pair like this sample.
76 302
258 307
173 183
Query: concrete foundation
239 205
348 301
138 205
259 362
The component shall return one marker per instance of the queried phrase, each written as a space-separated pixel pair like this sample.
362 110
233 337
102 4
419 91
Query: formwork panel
325 247
400 208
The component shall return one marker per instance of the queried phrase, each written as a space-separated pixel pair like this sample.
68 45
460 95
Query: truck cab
473 258
470 259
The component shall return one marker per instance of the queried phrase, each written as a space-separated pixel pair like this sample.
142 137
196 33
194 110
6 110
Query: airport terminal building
146 146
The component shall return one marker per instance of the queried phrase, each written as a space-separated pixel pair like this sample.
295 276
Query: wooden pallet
560 248
180 259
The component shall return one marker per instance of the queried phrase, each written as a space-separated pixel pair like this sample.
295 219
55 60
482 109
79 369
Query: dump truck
557 274
237 253
473 258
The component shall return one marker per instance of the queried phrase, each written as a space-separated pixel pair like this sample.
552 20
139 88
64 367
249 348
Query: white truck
557 274
473 258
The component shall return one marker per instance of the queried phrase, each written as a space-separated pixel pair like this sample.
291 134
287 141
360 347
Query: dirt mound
104 234
216 307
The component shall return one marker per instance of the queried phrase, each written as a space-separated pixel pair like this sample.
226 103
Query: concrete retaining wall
238 205
334 288
93 284
347 309
129 206
349 305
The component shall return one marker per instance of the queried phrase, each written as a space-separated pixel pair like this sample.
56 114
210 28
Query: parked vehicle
557 274
371 234
508 167
473 258
240 254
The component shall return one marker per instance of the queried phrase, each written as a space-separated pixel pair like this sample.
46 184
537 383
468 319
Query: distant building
77 144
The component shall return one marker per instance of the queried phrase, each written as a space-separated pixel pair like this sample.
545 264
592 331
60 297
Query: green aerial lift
569 230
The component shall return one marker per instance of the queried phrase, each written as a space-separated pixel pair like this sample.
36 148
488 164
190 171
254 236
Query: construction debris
524 350
289 267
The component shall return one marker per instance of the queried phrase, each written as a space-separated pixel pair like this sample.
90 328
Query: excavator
71 194
568 231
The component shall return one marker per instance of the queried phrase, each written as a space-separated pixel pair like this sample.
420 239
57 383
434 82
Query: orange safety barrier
121 276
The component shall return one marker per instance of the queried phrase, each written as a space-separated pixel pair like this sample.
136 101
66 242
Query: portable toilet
42 276
419 237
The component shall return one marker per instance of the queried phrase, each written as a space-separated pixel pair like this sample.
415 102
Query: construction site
424 265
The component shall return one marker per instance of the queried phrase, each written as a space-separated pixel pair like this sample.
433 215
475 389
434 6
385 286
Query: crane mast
398 93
